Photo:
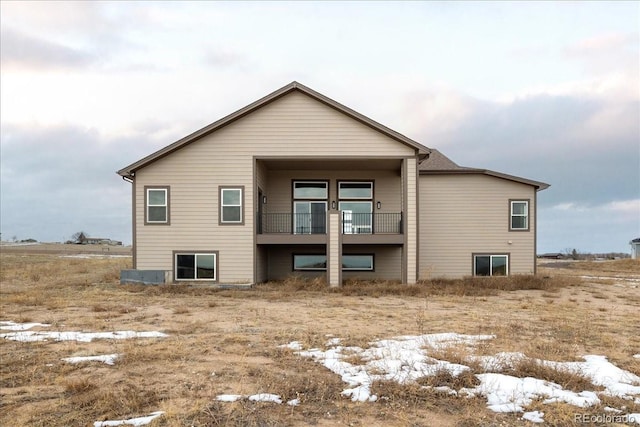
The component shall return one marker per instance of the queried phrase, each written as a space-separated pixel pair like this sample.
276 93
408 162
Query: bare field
228 342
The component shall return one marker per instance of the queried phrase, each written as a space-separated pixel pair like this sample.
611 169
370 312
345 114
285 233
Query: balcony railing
316 223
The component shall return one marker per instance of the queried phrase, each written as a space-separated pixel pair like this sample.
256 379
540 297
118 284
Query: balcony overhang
372 239
291 239
331 163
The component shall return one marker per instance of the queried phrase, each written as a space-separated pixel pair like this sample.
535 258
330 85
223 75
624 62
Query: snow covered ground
405 359
24 335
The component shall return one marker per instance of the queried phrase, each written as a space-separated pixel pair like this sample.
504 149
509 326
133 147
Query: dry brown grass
226 342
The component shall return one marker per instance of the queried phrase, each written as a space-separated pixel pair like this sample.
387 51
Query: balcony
361 228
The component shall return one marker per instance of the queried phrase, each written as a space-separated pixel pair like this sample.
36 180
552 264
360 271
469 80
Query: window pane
355 190
185 266
499 266
157 214
519 208
519 222
309 190
206 266
356 207
483 265
231 214
357 262
309 262
231 197
157 197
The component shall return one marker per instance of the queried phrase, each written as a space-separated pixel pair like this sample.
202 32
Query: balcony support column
410 221
334 249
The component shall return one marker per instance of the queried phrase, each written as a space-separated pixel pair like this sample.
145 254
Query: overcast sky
544 90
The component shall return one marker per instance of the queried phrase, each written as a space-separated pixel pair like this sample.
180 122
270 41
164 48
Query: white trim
324 183
525 215
195 271
355 182
165 206
223 205
475 257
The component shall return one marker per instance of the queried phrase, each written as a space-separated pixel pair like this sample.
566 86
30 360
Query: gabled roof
439 164
291 87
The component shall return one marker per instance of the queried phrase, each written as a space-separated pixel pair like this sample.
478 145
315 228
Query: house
635 248
299 184
86 240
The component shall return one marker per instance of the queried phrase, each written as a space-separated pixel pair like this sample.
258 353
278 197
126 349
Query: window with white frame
355 200
156 205
310 190
355 190
519 215
196 266
491 265
231 206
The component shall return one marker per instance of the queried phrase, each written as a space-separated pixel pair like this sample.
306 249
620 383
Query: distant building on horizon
86 240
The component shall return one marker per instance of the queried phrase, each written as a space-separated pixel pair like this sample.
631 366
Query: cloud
606 227
602 44
57 180
24 51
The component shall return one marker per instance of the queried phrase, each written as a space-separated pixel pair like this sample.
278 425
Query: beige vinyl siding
387 262
334 245
462 215
261 253
294 125
281 261
411 221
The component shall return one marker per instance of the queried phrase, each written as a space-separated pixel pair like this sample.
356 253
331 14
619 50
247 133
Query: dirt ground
227 342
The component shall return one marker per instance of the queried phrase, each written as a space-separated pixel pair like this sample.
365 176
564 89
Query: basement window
490 265
196 266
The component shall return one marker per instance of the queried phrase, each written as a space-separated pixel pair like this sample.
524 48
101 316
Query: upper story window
231 205
355 190
310 190
519 215
156 210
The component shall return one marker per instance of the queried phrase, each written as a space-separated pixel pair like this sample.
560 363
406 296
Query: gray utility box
145 277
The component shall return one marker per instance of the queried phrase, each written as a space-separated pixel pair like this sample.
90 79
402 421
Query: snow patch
260 397
534 416
33 336
140 421
108 359
12 326
265 397
229 397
